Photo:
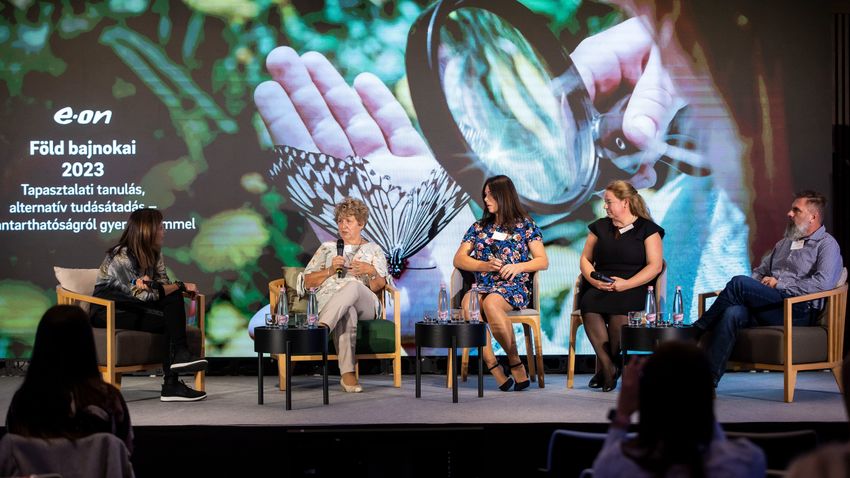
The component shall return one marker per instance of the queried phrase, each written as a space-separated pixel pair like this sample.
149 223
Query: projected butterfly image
401 222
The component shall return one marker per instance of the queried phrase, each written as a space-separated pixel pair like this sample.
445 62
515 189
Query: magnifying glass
495 92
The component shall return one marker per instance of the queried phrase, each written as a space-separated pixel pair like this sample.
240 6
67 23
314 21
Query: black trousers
166 316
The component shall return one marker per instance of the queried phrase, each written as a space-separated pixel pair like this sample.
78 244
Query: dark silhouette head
64 350
676 409
63 368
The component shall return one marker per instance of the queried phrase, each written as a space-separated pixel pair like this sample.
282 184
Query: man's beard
794 232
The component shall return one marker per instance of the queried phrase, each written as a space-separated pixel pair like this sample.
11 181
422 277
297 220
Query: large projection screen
116 105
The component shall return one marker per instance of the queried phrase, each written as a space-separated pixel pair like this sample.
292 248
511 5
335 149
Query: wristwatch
180 285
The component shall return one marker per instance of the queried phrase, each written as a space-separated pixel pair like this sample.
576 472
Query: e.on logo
67 115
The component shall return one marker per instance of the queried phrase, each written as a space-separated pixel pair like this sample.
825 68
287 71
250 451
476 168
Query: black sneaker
179 392
183 362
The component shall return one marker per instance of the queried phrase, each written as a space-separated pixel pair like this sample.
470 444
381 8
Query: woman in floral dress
501 249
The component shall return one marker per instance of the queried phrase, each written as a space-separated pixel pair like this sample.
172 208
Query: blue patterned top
511 250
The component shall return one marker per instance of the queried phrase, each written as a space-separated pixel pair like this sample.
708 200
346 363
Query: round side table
451 336
294 340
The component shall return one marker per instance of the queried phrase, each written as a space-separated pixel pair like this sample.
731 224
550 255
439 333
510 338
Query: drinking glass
457 315
661 319
429 316
270 321
635 318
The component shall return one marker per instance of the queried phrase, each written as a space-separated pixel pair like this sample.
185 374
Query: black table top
303 341
440 335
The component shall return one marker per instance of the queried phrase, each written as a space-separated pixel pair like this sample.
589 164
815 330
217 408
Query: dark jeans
744 302
166 316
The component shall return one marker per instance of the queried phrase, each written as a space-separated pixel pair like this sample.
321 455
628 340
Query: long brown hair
503 191
139 237
623 190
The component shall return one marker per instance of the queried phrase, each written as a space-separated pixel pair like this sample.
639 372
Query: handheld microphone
340 246
600 276
494 251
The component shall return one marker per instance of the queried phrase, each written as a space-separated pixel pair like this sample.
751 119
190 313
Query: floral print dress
510 244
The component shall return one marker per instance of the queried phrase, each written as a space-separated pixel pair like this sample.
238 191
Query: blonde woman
626 247
346 284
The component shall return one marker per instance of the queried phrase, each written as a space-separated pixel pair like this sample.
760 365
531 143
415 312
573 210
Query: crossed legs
495 308
604 331
353 302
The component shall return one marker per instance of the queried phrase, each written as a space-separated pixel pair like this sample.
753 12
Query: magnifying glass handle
675 148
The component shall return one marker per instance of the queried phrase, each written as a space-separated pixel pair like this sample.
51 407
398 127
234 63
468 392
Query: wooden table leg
288 376
454 369
418 372
480 373
259 378
325 371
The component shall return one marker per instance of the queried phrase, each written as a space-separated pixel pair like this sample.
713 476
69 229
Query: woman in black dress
625 246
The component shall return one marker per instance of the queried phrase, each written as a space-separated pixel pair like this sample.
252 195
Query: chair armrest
62 292
815 295
390 290
65 296
200 301
701 298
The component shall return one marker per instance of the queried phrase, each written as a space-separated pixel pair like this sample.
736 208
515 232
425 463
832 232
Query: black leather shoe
520 386
596 380
611 384
507 384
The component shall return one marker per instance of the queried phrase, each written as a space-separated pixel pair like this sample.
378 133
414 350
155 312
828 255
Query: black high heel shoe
520 386
612 383
596 380
507 384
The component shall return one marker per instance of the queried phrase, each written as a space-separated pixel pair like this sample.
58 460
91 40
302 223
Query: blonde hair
624 191
352 207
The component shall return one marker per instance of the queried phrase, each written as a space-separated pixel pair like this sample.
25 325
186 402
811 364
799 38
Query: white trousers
353 302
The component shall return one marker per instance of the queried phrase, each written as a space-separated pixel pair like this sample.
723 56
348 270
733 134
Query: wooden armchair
120 350
575 317
528 317
376 339
789 348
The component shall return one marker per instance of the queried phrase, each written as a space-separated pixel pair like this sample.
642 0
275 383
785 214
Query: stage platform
386 431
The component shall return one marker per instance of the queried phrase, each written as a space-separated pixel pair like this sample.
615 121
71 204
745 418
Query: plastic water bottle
282 309
443 304
678 308
650 308
474 306
312 308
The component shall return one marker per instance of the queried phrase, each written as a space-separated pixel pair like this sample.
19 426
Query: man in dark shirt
805 261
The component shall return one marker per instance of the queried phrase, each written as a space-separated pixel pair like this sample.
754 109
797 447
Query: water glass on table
270 323
661 319
429 317
635 318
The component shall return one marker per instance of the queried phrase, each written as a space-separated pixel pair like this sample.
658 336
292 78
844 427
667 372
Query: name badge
626 229
499 236
798 244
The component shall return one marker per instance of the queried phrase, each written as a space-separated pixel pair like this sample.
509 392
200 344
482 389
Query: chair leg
357 370
538 352
200 381
281 371
836 372
397 371
571 367
464 364
790 382
529 352
449 375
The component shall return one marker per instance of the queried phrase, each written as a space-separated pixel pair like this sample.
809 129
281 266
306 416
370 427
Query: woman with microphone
621 258
346 275
501 249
